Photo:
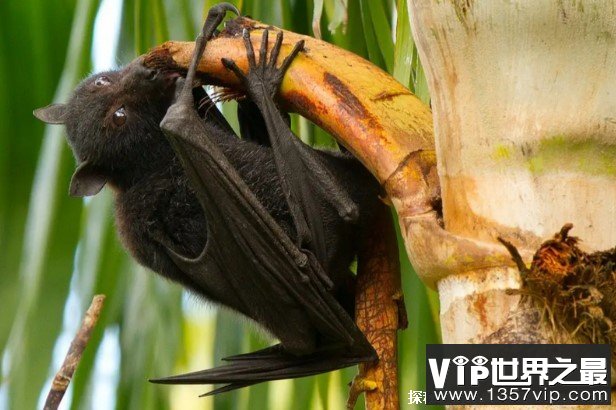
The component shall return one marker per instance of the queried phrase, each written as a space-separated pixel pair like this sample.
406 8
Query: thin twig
63 377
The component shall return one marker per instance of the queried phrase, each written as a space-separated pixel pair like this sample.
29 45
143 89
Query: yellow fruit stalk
378 119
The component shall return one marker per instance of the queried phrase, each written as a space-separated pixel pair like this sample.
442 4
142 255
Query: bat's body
264 225
159 205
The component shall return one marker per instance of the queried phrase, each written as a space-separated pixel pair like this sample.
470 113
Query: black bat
265 224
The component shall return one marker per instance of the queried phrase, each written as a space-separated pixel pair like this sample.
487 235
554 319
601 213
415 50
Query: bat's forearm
281 136
281 139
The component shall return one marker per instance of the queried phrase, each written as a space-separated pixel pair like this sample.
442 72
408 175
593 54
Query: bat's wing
272 363
250 264
248 257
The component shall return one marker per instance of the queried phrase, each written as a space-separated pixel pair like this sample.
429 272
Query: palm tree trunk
523 98
524 102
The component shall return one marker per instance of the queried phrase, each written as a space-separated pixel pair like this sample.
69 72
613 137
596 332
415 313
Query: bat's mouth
167 80
163 75
170 77
172 74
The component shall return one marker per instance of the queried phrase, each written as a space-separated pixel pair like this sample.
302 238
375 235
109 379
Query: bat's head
112 121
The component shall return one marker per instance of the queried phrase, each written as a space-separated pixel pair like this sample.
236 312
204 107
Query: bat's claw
263 75
215 16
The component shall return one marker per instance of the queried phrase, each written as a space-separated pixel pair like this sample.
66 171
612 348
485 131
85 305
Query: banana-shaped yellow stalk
378 119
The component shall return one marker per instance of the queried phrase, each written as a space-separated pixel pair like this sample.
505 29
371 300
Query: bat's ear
87 180
52 114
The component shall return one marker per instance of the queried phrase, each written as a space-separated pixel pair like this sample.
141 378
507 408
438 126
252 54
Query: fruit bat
263 224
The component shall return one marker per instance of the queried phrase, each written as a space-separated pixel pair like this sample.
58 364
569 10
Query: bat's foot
263 77
359 385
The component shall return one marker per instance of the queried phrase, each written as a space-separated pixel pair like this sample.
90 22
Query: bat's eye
102 81
119 117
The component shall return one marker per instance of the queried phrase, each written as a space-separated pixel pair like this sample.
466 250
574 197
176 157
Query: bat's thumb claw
222 8
215 16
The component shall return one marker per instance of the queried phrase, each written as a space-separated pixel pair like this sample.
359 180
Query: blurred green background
57 251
